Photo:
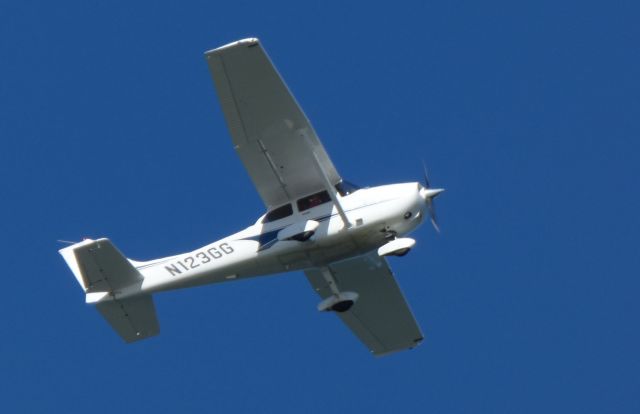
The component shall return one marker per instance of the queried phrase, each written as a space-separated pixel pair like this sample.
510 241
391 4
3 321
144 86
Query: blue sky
527 113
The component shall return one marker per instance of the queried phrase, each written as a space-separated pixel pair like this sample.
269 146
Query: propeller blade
434 218
435 225
426 175
429 194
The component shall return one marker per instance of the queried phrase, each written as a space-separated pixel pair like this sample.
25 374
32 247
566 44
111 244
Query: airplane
337 233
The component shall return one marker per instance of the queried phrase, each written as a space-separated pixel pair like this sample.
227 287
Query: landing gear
397 247
304 236
339 301
342 306
299 231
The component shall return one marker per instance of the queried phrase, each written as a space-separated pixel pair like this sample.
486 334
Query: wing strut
327 182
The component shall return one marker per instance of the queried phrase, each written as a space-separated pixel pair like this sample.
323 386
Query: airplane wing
380 318
270 132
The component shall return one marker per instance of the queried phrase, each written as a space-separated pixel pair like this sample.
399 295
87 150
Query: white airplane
337 233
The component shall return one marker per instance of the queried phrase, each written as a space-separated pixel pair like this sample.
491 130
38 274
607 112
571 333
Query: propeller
429 194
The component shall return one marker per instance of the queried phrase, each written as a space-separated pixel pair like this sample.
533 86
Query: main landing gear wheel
342 306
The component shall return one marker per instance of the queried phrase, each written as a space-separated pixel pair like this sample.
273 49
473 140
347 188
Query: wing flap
381 317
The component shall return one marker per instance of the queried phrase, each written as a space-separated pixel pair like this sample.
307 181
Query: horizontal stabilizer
99 266
103 272
132 318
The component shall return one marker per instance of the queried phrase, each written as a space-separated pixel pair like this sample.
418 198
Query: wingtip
249 41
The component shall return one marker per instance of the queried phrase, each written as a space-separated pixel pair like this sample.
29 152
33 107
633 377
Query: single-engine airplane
336 232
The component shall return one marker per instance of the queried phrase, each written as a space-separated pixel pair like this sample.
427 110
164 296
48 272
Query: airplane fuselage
375 214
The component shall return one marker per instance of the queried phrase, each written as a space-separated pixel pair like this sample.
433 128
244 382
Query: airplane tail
105 275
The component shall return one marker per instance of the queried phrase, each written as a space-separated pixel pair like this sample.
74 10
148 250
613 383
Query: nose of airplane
428 194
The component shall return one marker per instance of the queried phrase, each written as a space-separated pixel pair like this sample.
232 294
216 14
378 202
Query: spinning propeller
429 194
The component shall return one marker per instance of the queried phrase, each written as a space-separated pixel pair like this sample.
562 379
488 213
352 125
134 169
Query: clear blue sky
528 113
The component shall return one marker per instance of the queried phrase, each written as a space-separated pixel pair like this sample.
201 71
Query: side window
278 213
313 200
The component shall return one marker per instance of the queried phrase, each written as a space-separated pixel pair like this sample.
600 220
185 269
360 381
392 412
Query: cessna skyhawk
335 232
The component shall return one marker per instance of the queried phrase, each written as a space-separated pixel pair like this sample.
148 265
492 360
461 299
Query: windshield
346 188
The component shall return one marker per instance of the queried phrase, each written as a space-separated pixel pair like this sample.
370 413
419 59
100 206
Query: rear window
278 213
305 203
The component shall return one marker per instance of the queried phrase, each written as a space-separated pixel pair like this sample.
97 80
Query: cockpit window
346 188
278 213
313 200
